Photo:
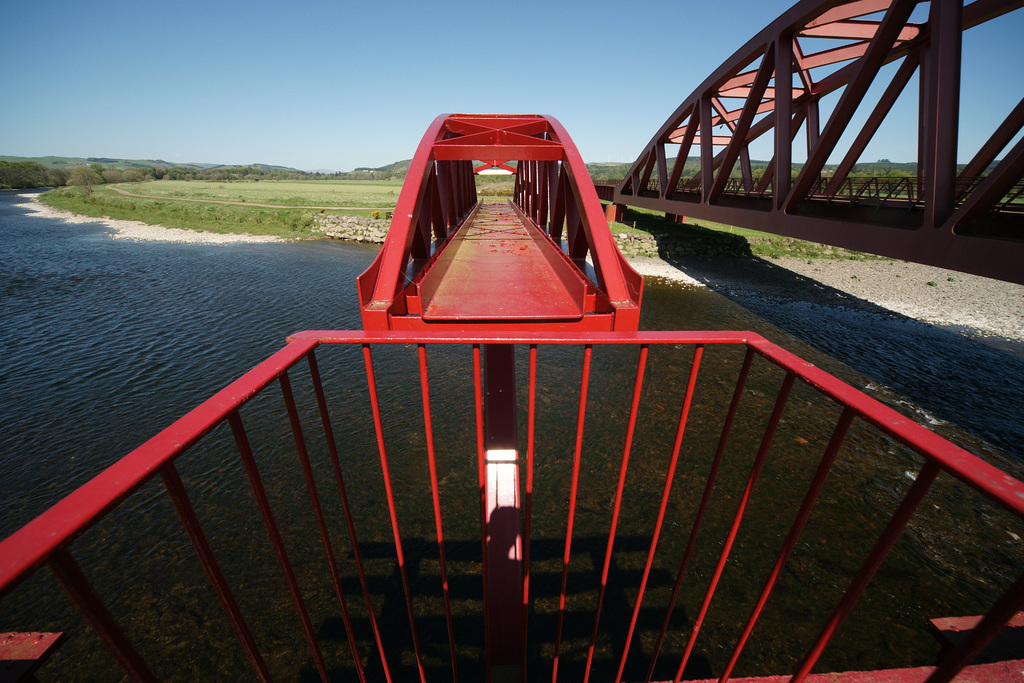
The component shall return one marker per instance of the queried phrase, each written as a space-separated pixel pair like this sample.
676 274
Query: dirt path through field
262 206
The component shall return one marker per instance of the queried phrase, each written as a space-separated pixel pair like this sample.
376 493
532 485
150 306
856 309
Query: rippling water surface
105 342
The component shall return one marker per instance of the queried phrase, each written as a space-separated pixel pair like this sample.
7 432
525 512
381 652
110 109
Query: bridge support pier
614 213
503 554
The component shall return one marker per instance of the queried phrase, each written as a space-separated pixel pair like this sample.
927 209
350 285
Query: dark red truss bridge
968 217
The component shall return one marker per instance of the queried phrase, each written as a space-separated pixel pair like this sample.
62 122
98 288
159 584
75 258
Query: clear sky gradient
336 85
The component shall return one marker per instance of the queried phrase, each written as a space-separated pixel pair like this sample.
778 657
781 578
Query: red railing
737 459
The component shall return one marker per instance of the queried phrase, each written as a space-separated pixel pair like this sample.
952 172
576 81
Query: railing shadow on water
732 442
469 626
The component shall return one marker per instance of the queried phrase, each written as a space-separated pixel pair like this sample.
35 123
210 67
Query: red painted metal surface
1001 672
945 219
22 653
1008 643
547 260
499 267
50 538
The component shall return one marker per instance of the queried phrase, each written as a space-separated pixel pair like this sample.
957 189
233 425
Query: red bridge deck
499 266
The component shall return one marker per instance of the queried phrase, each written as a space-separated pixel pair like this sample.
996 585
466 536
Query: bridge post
503 556
942 111
614 212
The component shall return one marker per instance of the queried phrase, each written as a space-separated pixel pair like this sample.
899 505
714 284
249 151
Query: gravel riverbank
972 305
136 230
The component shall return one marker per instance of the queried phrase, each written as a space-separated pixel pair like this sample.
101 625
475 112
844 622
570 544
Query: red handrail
46 539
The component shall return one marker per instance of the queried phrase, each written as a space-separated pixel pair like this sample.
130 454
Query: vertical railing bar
189 519
804 513
392 509
981 635
70 576
531 424
892 532
318 511
634 410
256 484
581 414
332 448
684 414
478 407
436 498
755 471
709 486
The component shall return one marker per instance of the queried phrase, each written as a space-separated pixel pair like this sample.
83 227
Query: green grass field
376 194
221 218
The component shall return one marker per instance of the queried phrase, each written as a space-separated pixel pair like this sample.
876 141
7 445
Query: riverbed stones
352 228
676 246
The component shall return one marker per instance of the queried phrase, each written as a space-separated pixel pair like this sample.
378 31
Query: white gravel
970 304
136 230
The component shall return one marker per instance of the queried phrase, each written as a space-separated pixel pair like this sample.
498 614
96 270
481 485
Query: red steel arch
969 218
546 260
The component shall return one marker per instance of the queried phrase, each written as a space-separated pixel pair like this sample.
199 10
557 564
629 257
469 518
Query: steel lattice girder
966 220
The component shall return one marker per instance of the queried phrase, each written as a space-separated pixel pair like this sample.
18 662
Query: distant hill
394 168
125 164
608 170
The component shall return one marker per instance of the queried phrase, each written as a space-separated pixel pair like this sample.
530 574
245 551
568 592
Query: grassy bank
762 244
381 194
162 205
219 218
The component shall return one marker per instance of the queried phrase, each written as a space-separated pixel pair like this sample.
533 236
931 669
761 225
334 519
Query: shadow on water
935 374
468 624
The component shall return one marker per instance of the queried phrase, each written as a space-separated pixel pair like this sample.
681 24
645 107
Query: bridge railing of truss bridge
353 468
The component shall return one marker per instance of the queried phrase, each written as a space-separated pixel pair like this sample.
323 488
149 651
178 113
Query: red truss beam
971 220
547 261
501 165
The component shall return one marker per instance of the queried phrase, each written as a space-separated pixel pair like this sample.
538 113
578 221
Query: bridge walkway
500 266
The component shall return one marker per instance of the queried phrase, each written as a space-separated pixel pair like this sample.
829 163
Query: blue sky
336 85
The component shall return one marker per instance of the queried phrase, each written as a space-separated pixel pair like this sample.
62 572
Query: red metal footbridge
546 259
818 83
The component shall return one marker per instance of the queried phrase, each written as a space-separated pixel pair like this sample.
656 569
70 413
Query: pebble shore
973 305
136 230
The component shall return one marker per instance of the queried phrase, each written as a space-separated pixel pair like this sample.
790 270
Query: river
105 342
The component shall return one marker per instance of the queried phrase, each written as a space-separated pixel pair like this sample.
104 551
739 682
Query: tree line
28 174
32 174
